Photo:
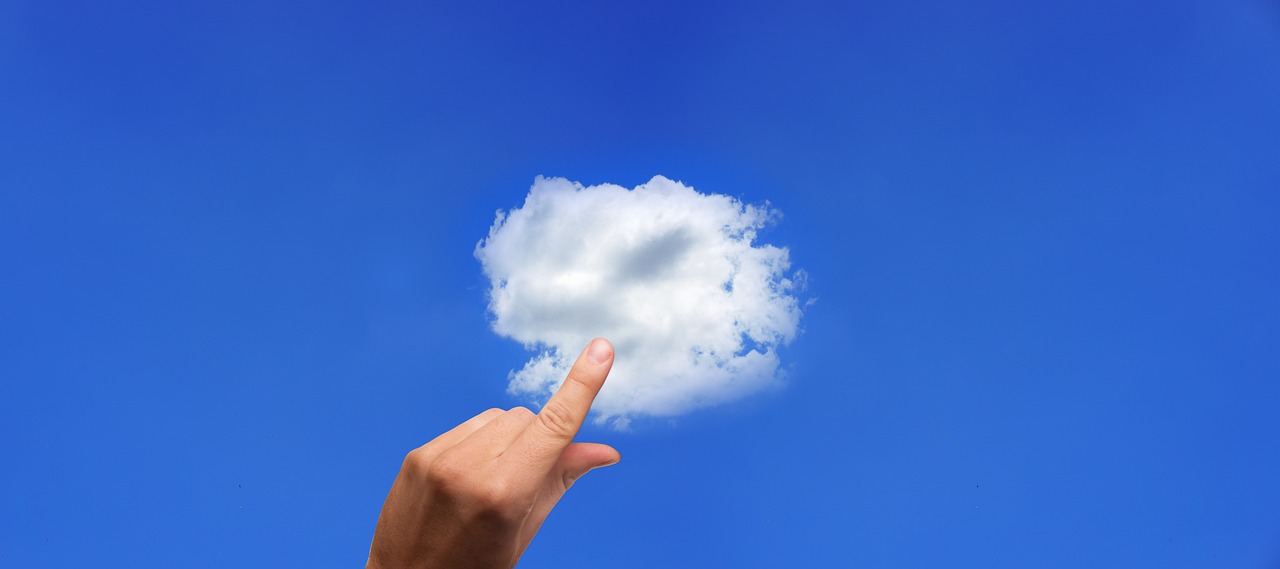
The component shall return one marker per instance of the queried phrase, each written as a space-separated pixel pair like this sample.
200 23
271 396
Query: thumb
576 460
581 458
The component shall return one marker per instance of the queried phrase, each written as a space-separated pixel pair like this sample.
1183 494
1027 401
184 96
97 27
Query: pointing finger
562 416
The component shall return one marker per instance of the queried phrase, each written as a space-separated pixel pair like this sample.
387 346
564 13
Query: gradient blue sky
238 281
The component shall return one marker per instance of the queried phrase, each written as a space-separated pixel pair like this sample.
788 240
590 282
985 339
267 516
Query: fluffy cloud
671 276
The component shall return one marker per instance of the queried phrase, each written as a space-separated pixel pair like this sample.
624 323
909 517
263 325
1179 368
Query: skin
475 496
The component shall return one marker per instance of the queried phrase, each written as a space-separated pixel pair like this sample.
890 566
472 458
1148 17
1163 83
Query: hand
474 496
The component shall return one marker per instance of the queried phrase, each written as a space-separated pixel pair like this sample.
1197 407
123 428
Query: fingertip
606 462
581 458
599 351
605 455
617 457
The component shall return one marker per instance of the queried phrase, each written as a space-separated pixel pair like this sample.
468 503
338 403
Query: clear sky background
238 281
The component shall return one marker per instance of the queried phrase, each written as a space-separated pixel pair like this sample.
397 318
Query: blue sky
239 283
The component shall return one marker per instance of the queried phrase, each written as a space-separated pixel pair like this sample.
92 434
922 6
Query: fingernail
600 351
610 463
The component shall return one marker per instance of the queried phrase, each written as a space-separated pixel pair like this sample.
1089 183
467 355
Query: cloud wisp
695 309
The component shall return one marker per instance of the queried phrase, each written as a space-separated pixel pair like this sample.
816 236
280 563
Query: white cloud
671 276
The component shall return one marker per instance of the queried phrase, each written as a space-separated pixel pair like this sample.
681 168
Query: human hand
474 496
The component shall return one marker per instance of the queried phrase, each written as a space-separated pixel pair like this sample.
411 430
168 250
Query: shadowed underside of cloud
671 276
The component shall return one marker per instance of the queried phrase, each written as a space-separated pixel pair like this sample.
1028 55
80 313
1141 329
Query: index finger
559 420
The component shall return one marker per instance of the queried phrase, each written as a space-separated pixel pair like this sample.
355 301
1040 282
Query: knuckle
498 498
417 460
521 413
494 495
445 472
558 421
575 381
